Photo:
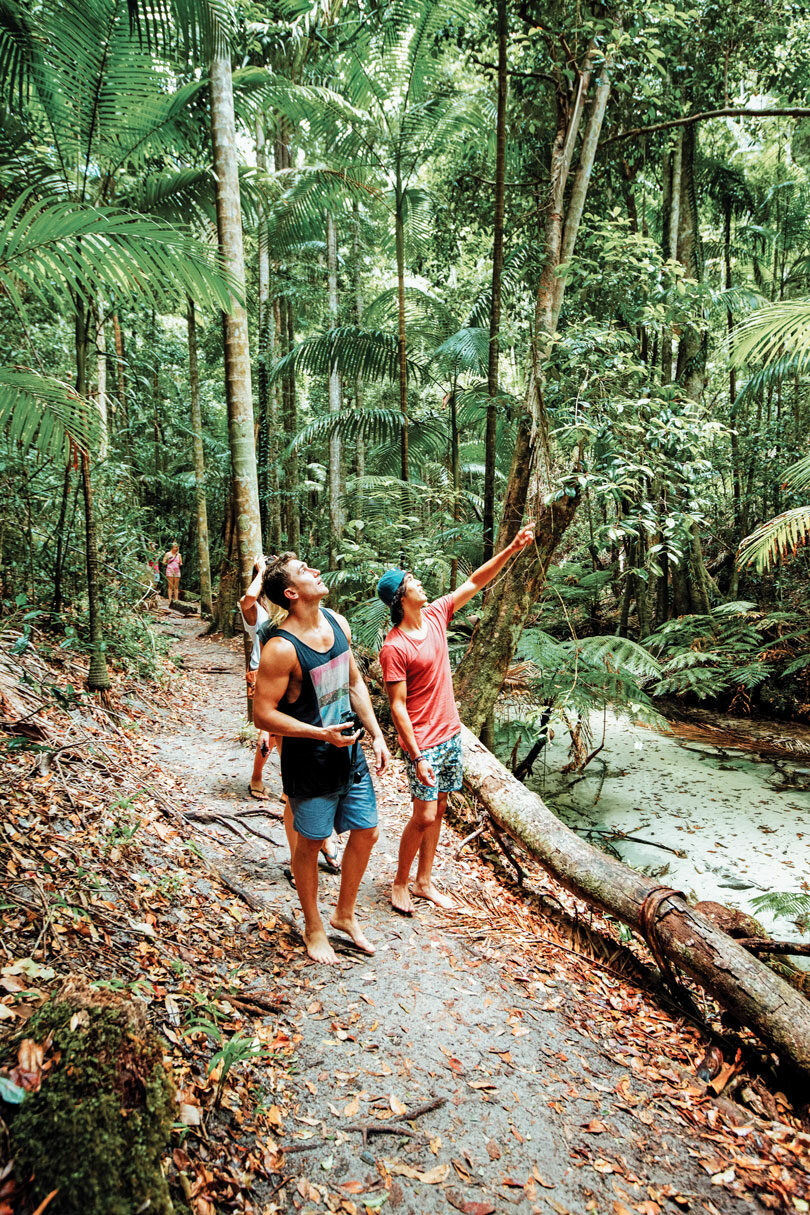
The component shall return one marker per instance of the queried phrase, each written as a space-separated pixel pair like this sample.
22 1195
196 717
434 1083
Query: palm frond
369 354
780 536
370 622
56 250
798 475
370 426
45 413
774 331
464 350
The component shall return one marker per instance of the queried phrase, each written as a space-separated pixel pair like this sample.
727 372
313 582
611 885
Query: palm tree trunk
399 235
497 273
268 419
98 679
121 410
237 350
335 513
61 539
455 474
101 383
206 607
290 429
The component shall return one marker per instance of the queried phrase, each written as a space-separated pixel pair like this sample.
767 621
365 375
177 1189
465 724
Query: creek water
741 825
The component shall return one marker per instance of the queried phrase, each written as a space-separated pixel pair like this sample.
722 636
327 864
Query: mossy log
97 1129
756 996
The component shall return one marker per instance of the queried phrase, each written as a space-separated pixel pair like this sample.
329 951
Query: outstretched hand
524 537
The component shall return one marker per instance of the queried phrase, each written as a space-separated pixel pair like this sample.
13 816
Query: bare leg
289 829
355 860
305 871
423 886
421 820
259 759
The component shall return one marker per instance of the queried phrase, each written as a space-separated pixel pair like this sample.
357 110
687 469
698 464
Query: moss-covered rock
99 1126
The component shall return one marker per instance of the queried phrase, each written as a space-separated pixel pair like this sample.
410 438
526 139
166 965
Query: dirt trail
550 1105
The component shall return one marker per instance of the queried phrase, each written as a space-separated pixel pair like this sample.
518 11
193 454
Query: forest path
558 1085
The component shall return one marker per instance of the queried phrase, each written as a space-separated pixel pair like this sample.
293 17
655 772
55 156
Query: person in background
415 662
310 692
254 614
173 560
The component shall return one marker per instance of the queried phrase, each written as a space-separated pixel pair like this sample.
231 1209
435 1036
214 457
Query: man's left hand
525 536
382 755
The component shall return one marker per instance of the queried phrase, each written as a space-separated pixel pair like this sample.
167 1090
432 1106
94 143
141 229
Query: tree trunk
483 668
736 470
399 235
237 352
360 445
455 474
671 246
497 274
228 592
98 679
101 384
290 429
691 370
267 393
206 607
335 487
120 378
61 539
757 997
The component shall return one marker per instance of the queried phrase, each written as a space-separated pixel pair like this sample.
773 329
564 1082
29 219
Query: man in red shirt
416 667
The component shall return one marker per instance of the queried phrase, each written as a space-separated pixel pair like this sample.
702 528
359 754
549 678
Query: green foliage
784 903
730 653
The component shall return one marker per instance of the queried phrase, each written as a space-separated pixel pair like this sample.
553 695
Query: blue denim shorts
446 761
355 810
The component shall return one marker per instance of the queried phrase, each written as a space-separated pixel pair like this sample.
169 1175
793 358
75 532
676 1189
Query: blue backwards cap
389 584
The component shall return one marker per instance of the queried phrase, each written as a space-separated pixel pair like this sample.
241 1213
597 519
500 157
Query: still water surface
743 827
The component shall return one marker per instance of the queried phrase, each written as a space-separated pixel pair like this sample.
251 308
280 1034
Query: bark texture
335 512
497 276
757 997
206 607
237 352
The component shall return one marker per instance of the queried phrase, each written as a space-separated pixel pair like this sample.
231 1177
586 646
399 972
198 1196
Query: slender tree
206 606
237 351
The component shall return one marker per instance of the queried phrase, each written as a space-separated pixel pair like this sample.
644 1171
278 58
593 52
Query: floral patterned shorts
446 761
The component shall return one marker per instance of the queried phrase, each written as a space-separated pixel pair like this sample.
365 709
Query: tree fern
779 537
795 904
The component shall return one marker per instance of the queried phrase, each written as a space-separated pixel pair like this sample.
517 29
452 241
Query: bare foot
433 895
319 948
353 930
401 900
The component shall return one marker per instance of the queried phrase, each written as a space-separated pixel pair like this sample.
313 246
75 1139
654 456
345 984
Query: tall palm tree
95 109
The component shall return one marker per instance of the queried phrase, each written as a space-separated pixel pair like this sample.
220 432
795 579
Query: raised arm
277 665
486 572
248 601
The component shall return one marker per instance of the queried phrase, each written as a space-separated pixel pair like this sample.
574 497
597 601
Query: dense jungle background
380 283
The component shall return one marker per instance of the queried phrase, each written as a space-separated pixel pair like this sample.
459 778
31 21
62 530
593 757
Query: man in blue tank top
308 685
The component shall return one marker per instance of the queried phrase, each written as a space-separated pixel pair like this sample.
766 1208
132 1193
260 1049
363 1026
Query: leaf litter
106 873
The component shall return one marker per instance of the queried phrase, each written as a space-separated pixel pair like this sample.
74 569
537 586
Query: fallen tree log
676 933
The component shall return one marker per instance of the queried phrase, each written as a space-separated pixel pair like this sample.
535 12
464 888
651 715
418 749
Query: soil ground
560 1095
